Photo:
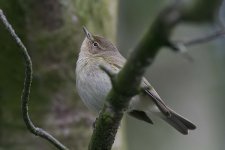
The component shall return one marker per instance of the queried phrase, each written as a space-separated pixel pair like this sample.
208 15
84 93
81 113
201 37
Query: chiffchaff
93 84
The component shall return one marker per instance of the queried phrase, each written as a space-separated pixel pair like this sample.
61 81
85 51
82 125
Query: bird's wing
145 86
116 64
150 91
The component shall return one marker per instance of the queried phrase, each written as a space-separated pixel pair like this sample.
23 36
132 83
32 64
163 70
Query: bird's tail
179 123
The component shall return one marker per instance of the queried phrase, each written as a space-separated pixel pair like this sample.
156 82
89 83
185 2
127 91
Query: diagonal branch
156 37
26 90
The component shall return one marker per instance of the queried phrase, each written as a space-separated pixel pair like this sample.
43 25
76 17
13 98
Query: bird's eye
95 44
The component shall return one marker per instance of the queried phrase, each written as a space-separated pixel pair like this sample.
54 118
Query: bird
93 84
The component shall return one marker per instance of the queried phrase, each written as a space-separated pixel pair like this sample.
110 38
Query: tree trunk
52 32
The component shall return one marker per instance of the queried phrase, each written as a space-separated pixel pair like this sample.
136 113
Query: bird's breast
92 84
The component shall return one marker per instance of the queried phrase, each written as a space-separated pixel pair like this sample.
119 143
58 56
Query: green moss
96 15
53 49
107 117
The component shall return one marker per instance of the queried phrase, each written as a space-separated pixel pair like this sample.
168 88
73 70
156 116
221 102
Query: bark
52 33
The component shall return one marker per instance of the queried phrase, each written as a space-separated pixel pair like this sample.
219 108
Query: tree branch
26 90
156 37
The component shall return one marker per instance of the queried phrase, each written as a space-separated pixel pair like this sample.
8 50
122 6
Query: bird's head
96 45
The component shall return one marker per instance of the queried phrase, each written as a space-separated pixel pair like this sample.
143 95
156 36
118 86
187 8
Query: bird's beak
88 34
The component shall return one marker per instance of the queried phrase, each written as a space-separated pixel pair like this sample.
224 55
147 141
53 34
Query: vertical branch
26 90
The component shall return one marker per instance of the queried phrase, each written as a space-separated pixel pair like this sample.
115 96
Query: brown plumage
93 84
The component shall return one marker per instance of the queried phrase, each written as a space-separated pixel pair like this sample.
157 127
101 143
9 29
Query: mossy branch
199 11
26 90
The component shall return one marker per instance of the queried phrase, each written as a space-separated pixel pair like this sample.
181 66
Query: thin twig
181 47
26 90
204 39
109 72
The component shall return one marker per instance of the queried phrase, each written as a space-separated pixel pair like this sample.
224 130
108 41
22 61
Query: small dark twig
181 49
26 90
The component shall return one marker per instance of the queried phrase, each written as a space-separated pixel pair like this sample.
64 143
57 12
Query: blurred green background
52 32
